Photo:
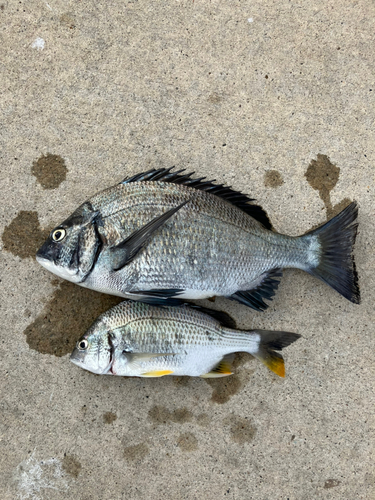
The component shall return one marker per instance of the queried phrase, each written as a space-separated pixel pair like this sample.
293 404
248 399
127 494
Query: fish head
94 350
73 247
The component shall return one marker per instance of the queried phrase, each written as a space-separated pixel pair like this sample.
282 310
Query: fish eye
82 344
58 234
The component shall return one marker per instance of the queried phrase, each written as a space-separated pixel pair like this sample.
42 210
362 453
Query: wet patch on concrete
136 452
203 420
187 442
161 415
322 175
181 381
24 236
66 317
50 171
214 98
241 429
109 417
71 465
273 179
67 19
226 387
331 483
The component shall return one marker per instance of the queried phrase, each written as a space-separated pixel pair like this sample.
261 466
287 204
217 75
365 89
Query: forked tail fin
336 265
269 343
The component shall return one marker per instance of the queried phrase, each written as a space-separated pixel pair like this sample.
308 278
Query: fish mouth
62 272
76 356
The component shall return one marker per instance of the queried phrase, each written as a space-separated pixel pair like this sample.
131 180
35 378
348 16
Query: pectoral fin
222 369
157 373
124 252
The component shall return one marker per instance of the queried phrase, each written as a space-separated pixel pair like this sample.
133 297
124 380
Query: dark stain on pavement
67 19
50 171
136 452
226 387
241 429
322 175
71 465
187 442
273 179
214 98
109 417
66 317
181 381
203 420
161 415
331 483
24 236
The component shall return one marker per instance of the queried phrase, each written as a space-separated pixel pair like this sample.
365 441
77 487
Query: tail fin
269 343
337 266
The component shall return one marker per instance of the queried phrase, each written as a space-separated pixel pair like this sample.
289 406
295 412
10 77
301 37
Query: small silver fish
162 236
139 340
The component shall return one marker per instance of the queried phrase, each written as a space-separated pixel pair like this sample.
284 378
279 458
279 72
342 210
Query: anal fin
264 288
157 373
222 369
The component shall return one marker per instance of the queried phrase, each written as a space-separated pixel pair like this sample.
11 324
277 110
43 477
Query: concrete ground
275 98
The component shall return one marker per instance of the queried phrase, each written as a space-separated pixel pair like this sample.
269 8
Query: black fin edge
239 200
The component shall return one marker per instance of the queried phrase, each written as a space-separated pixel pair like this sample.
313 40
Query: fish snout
47 252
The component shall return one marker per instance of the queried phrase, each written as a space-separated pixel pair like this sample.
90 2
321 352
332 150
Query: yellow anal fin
222 369
157 373
212 299
274 362
216 375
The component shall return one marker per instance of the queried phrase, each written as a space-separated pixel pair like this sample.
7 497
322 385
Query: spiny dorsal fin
223 318
222 369
239 200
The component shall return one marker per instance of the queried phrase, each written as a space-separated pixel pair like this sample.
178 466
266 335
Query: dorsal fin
222 317
239 200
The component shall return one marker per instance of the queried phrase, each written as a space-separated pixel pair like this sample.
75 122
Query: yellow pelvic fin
157 373
222 369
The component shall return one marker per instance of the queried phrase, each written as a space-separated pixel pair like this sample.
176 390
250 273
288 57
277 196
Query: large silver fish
161 235
139 340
